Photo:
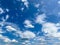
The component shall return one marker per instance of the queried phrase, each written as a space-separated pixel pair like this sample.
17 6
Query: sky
29 22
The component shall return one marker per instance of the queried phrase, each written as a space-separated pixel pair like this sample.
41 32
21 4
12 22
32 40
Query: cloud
27 42
7 16
40 19
7 9
1 31
37 5
48 28
28 24
25 3
1 11
58 2
10 28
28 34
14 40
51 29
6 39
25 34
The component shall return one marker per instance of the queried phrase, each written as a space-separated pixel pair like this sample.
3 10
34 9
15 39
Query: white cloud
24 0
2 31
25 3
51 29
28 24
6 39
28 34
7 16
58 2
26 42
10 28
1 10
23 43
25 34
40 19
3 20
13 40
22 9
7 9
48 28
9 41
40 38
37 5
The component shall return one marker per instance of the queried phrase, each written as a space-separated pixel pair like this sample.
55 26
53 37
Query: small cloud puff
40 19
28 24
25 3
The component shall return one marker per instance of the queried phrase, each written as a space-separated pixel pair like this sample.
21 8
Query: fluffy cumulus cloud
6 39
25 34
51 29
28 34
48 28
28 24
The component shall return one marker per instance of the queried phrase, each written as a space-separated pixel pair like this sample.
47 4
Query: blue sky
29 22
